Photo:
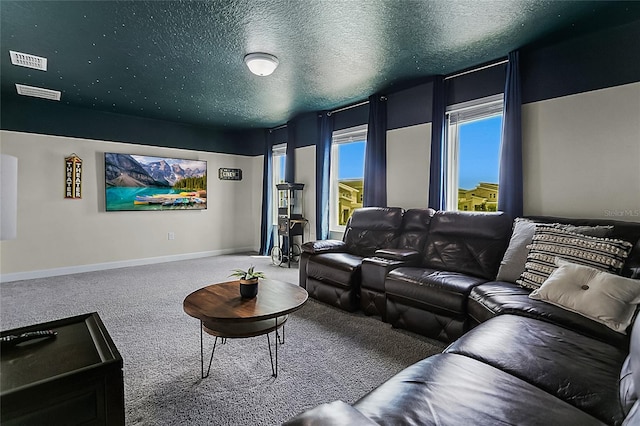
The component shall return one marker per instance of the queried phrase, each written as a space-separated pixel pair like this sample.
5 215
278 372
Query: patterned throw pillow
515 257
550 242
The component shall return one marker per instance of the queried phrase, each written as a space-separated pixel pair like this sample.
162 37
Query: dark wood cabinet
74 378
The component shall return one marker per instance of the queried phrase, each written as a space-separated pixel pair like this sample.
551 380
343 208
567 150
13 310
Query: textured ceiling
183 60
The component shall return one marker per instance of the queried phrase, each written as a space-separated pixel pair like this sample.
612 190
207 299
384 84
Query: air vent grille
29 61
38 92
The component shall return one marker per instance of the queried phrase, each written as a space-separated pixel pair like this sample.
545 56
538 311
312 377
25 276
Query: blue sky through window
283 164
479 153
351 160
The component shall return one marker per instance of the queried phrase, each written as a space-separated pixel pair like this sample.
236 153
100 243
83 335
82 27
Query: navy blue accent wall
351 117
475 85
254 138
409 107
307 129
279 136
606 58
52 118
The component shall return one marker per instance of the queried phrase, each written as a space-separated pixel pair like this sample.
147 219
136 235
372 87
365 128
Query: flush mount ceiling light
261 64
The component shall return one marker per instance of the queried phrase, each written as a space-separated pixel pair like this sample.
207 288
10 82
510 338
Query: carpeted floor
329 354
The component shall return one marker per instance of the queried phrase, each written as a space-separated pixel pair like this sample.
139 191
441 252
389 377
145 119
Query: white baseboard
44 273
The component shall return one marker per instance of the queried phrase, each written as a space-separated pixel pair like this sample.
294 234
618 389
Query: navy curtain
323 167
436 189
290 164
375 157
510 197
266 229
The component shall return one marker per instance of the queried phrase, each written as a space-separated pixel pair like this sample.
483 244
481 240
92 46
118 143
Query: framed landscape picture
139 182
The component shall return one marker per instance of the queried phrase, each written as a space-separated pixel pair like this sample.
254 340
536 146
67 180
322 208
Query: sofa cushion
468 243
415 226
577 369
598 295
628 393
336 413
550 242
499 297
451 389
372 228
630 379
324 246
341 269
441 292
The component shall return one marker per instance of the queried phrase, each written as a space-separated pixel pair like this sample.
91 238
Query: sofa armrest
324 246
375 270
336 413
405 255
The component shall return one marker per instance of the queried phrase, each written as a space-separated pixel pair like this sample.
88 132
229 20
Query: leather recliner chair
330 269
415 228
462 250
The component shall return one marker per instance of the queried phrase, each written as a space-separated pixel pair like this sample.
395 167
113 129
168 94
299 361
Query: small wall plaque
73 177
229 174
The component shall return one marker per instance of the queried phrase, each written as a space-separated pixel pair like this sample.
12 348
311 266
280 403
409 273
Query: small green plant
249 274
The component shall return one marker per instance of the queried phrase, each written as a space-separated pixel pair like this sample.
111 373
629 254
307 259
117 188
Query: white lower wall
581 155
57 235
408 162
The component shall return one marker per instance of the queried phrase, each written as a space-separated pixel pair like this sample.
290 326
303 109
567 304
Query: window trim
339 137
455 115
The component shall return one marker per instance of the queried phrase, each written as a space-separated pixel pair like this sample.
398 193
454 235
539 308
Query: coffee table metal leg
281 340
274 371
204 376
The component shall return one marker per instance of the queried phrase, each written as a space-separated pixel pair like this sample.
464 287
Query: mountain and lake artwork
137 182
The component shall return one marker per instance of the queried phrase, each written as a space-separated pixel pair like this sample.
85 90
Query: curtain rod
273 129
504 61
348 107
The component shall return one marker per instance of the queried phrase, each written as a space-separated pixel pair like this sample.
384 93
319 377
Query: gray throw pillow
512 264
603 297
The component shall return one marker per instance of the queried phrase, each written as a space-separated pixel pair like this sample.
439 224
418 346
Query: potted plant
248 281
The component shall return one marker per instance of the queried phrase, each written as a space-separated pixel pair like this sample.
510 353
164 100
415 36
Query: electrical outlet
171 236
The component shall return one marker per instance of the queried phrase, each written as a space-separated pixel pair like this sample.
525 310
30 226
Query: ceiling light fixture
261 64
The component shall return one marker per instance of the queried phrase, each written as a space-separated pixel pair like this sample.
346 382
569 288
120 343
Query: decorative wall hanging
73 177
139 182
229 174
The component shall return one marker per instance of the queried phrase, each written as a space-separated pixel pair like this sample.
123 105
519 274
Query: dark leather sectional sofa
513 360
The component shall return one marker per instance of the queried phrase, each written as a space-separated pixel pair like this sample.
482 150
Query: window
347 174
472 154
278 158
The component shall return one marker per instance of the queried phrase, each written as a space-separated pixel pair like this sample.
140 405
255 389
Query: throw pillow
512 264
601 296
550 242
515 257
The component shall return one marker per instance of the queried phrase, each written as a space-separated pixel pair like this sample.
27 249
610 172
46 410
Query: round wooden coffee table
224 314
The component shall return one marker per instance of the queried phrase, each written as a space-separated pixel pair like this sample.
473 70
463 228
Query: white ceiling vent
29 61
38 92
